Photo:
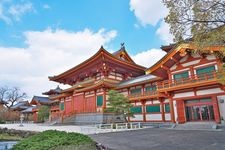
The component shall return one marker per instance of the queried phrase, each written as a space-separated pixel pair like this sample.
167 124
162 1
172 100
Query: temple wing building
183 86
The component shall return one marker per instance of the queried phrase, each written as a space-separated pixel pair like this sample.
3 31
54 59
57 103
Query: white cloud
46 6
164 34
151 12
48 52
148 11
149 57
11 10
18 10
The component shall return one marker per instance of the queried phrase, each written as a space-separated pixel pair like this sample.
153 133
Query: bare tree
201 20
11 95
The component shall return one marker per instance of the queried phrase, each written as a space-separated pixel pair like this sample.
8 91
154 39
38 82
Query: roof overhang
178 51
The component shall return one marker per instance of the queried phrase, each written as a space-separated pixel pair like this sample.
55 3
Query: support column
171 109
84 102
72 101
216 109
104 99
143 110
162 109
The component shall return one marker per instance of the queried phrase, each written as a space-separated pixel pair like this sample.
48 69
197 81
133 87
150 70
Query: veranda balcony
189 82
144 95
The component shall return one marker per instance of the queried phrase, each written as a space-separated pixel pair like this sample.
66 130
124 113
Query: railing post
111 126
139 125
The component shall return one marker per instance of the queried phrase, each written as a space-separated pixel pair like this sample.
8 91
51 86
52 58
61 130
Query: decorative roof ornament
122 46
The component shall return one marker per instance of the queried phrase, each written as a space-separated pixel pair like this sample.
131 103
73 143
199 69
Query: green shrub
52 139
2 122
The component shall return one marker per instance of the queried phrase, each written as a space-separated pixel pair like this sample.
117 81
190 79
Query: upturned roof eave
101 51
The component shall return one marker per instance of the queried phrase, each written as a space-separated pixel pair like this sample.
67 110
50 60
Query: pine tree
119 105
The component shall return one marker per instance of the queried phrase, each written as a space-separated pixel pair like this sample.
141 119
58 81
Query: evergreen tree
119 105
43 113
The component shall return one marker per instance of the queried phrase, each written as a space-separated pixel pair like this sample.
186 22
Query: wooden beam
175 60
165 67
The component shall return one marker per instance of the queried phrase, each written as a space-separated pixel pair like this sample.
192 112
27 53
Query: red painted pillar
143 110
171 110
162 109
216 109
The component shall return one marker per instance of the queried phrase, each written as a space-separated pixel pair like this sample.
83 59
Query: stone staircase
196 126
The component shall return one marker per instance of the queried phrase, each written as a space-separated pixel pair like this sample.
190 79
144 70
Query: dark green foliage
43 113
119 104
52 139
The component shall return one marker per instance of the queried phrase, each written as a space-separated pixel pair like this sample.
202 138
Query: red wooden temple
183 86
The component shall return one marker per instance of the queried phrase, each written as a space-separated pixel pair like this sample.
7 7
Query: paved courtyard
163 139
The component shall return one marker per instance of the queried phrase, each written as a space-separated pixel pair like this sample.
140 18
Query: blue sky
40 38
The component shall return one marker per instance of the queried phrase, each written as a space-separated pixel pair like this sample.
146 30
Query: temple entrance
199 110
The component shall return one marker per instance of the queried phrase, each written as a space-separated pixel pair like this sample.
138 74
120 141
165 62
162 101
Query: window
134 91
153 108
61 106
205 70
136 109
150 88
167 108
180 75
99 100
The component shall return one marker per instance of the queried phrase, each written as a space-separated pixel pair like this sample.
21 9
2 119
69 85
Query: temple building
181 87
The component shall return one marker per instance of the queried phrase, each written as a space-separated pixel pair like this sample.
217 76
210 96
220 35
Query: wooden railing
146 94
190 81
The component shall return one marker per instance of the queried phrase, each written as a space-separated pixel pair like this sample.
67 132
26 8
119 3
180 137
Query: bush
52 139
2 122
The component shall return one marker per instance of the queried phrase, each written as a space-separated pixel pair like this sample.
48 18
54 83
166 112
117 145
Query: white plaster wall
138 104
209 91
185 94
184 58
167 117
221 102
137 118
210 57
175 110
191 63
206 64
196 55
186 69
154 117
156 102
173 67
166 101
148 102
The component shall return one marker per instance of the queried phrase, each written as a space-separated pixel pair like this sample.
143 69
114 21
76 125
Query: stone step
197 126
